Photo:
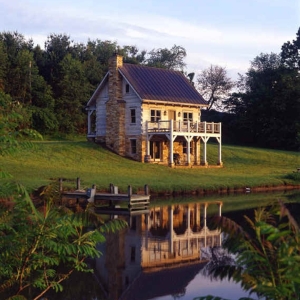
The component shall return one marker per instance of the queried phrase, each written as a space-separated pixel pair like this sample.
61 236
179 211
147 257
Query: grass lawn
243 167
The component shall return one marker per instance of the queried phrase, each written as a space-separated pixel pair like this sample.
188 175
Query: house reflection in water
159 254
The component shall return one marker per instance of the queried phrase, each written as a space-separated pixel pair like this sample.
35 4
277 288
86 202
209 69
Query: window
133 146
187 116
185 145
127 88
155 115
132 116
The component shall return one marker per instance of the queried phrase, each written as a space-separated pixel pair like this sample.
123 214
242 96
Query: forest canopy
49 87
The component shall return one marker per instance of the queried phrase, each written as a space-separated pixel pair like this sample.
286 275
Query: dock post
60 180
77 183
91 194
146 189
129 191
129 195
111 188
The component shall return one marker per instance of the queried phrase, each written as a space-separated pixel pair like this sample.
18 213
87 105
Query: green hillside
243 167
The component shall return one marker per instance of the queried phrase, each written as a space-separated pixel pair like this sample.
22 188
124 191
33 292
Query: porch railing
183 126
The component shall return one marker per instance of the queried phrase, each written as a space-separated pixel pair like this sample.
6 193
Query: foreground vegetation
264 253
42 245
47 161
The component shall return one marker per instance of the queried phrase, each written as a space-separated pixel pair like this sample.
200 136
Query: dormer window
127 88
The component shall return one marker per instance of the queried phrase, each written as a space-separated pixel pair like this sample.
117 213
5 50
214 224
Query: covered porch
188 134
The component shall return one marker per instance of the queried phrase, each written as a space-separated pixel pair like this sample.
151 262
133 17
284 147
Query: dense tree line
265 108
50 87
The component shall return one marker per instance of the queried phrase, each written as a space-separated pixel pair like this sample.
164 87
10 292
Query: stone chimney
115 107
115 80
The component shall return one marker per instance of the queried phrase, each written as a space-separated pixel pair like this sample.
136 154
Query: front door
155 150
172 115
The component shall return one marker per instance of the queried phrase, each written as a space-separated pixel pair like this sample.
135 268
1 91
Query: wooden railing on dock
135 202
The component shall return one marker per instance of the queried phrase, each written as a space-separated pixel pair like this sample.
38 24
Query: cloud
205 40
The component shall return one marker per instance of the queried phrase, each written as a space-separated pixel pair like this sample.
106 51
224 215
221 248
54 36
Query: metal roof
156 84
161 85
166 281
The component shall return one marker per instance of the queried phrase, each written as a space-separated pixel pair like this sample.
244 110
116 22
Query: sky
228 33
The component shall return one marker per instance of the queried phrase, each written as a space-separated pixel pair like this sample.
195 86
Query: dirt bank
222 191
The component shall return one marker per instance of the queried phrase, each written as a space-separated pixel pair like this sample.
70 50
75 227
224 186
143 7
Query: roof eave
97 90
173 103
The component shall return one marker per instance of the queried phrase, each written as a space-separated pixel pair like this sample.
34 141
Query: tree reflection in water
80 286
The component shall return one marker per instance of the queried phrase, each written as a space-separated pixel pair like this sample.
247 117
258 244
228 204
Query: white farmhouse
150 115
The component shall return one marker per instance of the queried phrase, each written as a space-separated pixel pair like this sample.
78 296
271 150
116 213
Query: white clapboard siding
101 111
132 102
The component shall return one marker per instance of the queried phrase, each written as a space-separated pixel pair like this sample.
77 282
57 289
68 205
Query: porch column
220 163
188 151
147 141
204 161
188 218
220 208
188 226
220 214
171 229
196 151
147 219
197 209
89 121
171 144
205 227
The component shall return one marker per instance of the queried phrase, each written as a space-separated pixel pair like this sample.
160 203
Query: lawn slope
243 167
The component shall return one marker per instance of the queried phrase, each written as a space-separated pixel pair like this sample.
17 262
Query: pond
163 253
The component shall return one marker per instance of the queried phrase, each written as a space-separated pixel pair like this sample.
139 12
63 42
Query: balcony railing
183 126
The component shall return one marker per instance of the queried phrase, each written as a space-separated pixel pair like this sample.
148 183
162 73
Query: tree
3 66
172 59
42 106
290 53
57 47
14 125
267 105
132 56
74 92
95 60
214 85
17 56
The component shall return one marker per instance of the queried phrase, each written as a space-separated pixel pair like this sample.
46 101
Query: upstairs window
187 116
155 115
127 88
132 116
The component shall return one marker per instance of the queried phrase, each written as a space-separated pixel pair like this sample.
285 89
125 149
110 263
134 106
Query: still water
163 253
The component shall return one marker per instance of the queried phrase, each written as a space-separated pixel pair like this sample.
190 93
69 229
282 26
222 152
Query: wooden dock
109 203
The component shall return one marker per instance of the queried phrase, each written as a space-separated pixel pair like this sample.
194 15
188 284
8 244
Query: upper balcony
184 127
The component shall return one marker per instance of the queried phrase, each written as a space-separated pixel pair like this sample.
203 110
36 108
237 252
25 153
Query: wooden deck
107 203
181 128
